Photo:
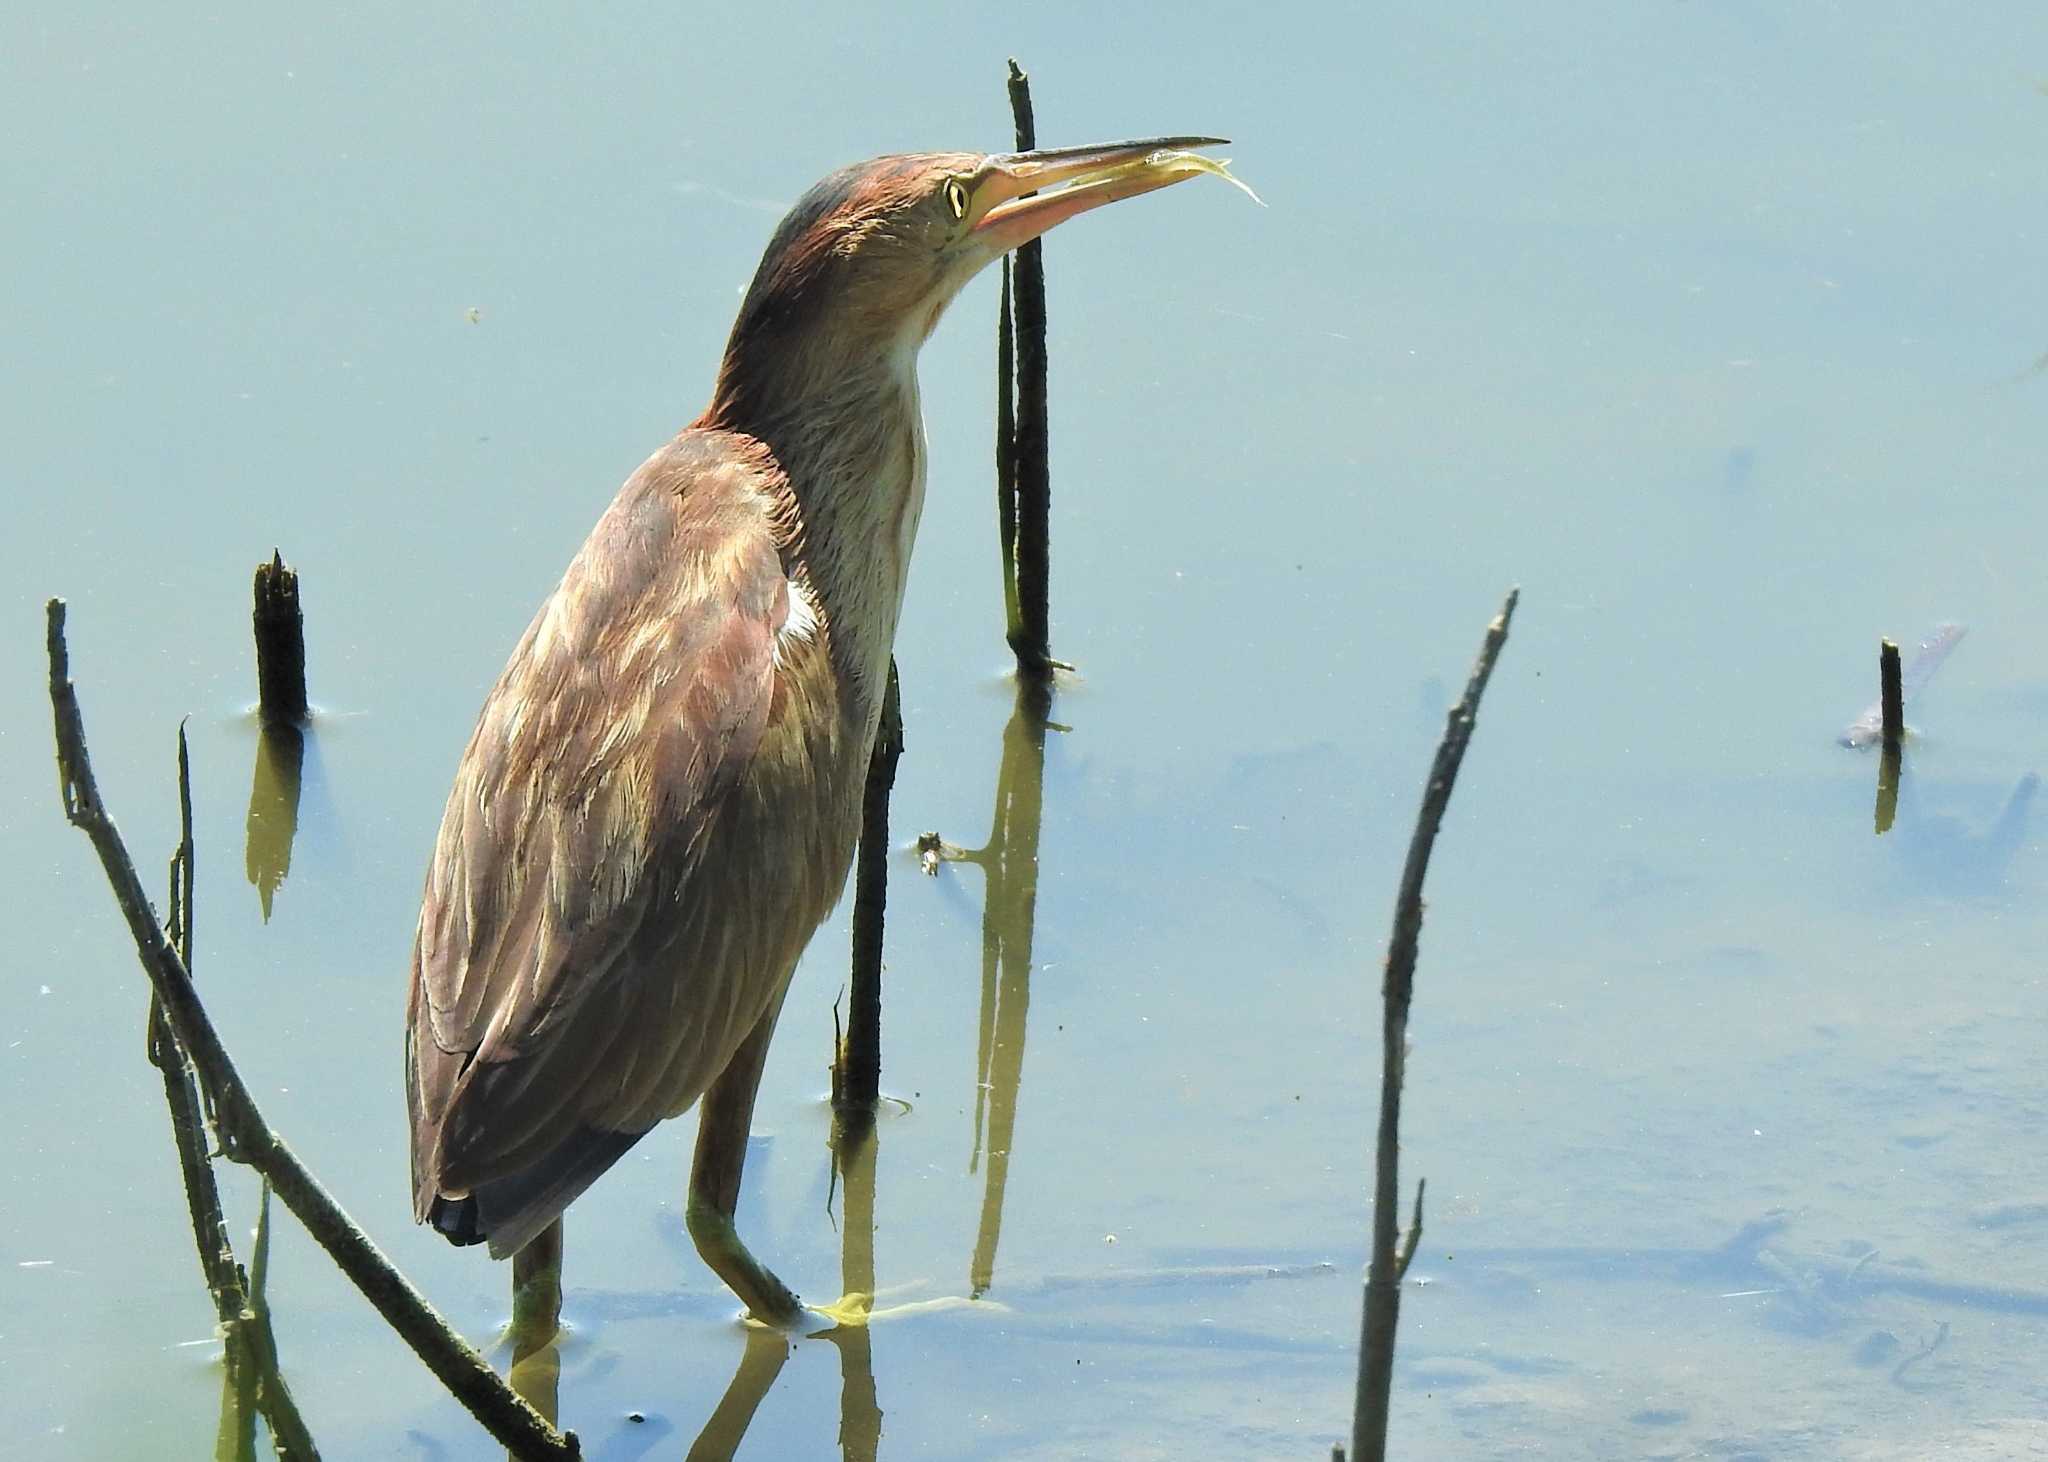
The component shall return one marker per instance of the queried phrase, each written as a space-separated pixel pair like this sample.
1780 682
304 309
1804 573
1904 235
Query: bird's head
867 260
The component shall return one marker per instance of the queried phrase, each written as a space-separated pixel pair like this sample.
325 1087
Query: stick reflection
854 1141
274 809
253 1385
1889 765
1009 863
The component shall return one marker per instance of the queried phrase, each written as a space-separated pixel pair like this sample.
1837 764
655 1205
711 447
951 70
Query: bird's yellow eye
956 197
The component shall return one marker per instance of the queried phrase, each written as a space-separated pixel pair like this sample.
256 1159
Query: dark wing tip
456 1221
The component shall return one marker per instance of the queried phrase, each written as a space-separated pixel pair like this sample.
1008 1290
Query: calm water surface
1716 327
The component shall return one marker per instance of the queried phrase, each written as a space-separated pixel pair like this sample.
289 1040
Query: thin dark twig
1383 1282
858 1081
1006 455
183 861
1031 639
1414 1235
245 1137
223 1276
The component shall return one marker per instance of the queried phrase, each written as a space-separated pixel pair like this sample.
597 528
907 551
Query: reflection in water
1889 765
253 1384
274 808
854 1140
1945 853
1009 861
767 1350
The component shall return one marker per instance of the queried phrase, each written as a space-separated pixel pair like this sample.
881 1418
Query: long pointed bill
1064 181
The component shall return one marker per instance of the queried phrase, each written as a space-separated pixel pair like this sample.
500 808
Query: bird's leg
723 1117
536 1329
537 1290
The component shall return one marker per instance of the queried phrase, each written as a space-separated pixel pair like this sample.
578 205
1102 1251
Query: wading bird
662 795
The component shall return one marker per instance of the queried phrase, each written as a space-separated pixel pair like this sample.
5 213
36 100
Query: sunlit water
1717 328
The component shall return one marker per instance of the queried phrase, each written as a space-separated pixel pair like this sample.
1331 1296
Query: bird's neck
847 429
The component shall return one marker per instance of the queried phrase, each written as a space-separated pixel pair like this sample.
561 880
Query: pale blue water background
1713 326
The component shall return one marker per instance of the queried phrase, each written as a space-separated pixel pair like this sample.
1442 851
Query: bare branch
244 1135
1383 1282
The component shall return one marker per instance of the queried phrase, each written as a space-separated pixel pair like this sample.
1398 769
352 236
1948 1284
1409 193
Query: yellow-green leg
724 1116
536 1333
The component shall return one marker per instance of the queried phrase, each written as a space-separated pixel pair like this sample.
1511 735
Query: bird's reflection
767 1351
1009 863
274 809
1946 852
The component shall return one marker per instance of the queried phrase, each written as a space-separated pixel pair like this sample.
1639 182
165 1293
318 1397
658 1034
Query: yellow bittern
662 795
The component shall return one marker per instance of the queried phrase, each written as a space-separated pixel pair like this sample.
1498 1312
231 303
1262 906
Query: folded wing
566 992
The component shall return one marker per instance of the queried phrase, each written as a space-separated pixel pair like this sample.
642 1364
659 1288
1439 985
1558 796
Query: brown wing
601 762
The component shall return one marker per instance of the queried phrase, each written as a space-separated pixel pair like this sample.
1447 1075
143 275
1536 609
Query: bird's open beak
1064 181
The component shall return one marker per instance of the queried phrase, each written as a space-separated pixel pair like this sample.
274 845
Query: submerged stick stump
280 644
1891 697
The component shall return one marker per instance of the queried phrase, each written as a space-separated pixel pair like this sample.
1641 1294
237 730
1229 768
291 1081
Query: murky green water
1717 328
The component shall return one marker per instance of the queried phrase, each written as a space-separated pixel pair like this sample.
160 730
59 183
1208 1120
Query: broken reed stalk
188 1126
280 645
1891 708
250 1358
1891 697
857 1067
1029 551
238 1125
1389 1260
181 1097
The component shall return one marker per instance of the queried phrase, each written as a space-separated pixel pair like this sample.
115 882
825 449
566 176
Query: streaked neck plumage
839 409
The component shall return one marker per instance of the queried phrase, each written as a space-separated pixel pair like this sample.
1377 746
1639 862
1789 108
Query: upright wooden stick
280 645
857 1067
1030 630
1891 697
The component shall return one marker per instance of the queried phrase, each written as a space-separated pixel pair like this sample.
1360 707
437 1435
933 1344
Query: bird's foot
848 1312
